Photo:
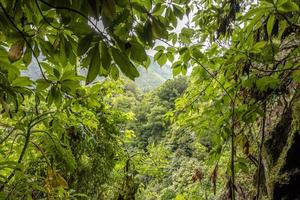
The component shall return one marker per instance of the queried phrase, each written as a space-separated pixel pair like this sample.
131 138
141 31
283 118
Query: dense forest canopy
227 126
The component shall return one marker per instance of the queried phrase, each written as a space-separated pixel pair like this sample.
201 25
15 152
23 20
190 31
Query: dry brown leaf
16 51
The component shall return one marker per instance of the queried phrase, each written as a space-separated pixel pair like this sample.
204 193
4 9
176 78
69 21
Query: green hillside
153 77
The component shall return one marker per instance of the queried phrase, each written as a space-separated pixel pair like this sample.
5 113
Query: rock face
282 155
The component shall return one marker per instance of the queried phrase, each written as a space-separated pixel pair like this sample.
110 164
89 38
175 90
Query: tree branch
45 19
24 37
79 13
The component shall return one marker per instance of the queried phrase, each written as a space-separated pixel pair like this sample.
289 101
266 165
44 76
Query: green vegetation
86 111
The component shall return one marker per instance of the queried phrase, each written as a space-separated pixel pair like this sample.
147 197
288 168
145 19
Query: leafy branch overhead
103 36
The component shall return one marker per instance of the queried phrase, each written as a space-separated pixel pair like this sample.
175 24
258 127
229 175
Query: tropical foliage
225 127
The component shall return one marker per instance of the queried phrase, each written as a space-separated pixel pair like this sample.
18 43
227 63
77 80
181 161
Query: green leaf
158 28
50 96
267 82
62 50
147 63
170 56
68 74
21 82
188 32
162 59
157 9
114 72
47 67
42 84
288 6
10 164
103 72
147 35
282 26
124 64
270 24
56 73
69 85
157 55
159 48
258 47
184 69
36 49
94 65
27 56
84 44
176 67
57 97
137 52
138 7
280 2
81 28
196 53
183 50
105 56
178 11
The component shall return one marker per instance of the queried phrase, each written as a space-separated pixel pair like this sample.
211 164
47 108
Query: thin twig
7 136
233 149
195 99
260 152
42 152
213 76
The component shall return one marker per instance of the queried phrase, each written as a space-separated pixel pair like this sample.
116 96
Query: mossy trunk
282 156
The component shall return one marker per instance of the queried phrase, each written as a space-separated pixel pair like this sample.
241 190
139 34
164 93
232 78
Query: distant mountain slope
149 78
153 77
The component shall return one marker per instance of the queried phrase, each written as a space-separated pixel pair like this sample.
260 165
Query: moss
275 144
284 170
274 149
274 172
296 116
